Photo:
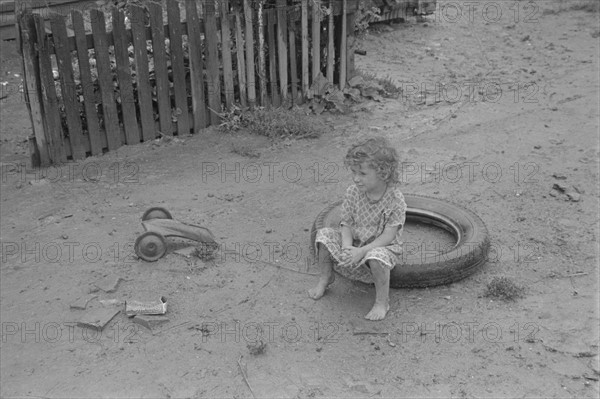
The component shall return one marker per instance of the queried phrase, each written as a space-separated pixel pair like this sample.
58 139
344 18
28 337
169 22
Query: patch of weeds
386 84
274 123
504 288
366 12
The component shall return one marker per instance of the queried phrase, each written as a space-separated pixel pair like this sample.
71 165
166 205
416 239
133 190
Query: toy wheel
150 246
157 213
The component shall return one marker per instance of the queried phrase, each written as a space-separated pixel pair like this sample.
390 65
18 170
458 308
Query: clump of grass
387 85
504 288
274 123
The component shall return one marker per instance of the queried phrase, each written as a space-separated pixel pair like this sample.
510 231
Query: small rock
41 182
560 187
573 196
537 147
268 231
150 322
559 176
525 38
65 237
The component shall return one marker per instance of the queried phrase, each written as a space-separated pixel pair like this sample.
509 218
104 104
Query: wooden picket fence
92 88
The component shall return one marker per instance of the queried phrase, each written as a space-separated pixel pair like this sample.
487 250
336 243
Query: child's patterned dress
367 219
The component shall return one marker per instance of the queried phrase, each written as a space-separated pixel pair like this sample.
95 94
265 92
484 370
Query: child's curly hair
378 154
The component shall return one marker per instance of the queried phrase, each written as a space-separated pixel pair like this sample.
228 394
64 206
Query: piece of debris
573 196
363 327
110 302
81 303
257 348
158 307
360 52
109 283
188 252
150 322
97 318
559 176
356 81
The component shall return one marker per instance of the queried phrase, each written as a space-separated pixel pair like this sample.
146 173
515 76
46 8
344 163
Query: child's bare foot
378 311
319 290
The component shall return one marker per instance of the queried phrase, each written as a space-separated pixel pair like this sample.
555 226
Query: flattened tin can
133 308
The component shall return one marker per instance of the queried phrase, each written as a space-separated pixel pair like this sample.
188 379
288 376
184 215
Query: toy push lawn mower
159 224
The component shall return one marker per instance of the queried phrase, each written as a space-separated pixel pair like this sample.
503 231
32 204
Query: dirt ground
513 137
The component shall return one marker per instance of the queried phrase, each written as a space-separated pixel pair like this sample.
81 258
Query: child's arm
346 236
355 254
385 239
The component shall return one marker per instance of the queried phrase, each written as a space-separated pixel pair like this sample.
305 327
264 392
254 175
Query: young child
367 244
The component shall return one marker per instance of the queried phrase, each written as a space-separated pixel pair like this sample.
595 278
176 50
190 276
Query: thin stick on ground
245 377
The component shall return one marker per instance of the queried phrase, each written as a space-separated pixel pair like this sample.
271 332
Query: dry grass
504 288
274 123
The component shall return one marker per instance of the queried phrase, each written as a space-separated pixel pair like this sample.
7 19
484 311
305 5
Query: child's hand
351 255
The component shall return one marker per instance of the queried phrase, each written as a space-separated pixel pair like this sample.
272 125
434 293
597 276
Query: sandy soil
518 115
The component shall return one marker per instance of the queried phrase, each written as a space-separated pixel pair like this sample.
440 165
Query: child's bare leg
327 276
381 277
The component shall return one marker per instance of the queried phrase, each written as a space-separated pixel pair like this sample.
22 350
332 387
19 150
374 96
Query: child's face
366 179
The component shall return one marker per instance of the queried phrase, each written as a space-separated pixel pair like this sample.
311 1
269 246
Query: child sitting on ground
367 244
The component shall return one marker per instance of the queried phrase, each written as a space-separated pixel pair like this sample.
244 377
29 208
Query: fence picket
128 112
226 53
343 46
105 81
144 91
282 47
27 39
262 67
250 79
54 131
304 37
196 65
67 88
293 60
316 38
178 69
330 46
273 88
212 62
161 76
241 64
96 138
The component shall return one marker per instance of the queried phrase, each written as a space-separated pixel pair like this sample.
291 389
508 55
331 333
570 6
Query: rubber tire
156 212
416 269
150 246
